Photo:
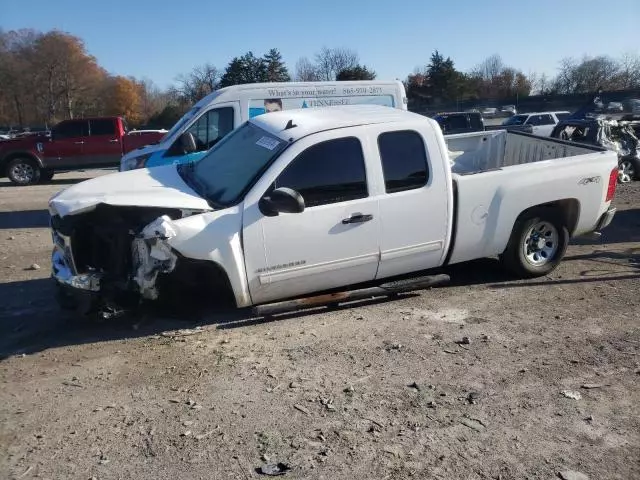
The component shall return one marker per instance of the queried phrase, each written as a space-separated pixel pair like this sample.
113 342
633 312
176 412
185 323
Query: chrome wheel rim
626 172
22 172
540 244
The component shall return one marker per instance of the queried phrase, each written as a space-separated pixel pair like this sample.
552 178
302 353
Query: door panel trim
411 250
288 274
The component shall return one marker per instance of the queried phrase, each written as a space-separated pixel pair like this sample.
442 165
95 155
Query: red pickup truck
71 145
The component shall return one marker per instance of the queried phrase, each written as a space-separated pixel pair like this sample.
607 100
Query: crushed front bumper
62 272
80 293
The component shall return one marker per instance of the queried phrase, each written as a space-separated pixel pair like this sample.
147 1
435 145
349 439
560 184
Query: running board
383 290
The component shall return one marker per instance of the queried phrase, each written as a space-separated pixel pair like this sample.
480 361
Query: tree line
46 77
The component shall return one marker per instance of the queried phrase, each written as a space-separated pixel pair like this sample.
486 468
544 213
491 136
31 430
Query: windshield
231 167
515 120
180 123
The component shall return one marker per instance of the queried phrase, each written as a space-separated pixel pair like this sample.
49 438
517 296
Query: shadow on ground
24 219
30 321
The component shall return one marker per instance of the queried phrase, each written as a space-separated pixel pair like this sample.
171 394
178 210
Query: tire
538 242
627 171
46 175
23 171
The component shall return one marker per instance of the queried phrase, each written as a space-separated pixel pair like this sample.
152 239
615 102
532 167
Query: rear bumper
606 218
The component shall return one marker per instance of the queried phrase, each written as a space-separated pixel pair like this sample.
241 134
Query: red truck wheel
23 171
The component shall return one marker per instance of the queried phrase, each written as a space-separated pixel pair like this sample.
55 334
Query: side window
71 129
404 160
476 122
546 120
211 127
102 127
532 120
457 122
329 172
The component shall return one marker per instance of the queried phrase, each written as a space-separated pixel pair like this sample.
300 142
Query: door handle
357 218
79 143
115 140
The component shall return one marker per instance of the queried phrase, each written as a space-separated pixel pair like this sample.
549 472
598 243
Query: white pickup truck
305 201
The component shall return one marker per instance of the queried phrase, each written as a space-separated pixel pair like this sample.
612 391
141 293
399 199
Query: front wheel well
4 163
196 283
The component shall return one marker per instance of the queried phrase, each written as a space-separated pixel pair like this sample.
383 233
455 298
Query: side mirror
188 142
281 200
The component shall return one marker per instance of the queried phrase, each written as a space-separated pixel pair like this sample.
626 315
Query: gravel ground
545 381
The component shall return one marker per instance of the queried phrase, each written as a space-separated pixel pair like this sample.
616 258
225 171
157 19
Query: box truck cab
223 110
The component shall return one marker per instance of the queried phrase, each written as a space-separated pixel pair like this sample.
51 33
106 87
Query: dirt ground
379 389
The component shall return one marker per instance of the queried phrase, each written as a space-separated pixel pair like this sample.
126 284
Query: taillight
613 181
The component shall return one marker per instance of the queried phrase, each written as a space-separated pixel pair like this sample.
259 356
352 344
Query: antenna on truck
290 124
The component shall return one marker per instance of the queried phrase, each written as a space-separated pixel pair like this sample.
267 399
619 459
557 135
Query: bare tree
540 84
629 71
588 75
201 81
489 68
152 99
331 61
306 71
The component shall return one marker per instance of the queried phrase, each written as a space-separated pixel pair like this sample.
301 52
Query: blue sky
161 39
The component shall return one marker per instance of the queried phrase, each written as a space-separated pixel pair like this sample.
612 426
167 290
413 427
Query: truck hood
152 187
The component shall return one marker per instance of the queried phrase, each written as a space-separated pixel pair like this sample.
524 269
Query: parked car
489 112
72 144
615 107
304 201
618 136
464 122
223 110
459 122
510 109
542 122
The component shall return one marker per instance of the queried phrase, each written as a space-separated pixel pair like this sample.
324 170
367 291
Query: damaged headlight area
113 254
152 255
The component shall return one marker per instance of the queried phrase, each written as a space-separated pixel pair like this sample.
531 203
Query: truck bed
498 175
472 153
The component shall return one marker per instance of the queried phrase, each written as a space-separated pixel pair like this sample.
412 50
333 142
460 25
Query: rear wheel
23 171
538 242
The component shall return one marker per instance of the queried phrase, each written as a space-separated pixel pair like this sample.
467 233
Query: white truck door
334 242
417 204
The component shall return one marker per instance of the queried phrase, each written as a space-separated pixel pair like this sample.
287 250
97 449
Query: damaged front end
108 260
152 255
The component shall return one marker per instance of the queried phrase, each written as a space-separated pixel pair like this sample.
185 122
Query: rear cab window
404 160
102 127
